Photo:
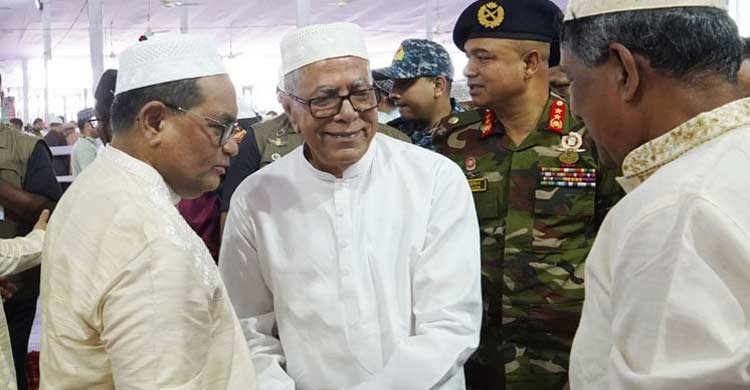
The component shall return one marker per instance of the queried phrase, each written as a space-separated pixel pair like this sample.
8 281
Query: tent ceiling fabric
254 26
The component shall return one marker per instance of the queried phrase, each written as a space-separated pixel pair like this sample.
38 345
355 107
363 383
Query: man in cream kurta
131 298
667 284
352 275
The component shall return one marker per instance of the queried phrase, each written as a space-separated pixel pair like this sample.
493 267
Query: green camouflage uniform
535 239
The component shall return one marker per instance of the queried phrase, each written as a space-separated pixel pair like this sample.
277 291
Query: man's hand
41 223
7 289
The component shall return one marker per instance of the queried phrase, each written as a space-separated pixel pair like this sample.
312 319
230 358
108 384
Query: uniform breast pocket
563 217
486 200
11 175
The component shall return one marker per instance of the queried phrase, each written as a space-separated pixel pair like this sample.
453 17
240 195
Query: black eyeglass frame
309 102
229 129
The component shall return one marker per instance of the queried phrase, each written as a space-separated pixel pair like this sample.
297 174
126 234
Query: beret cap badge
491 15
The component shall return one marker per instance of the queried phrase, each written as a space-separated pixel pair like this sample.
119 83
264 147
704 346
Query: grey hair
291 80
687 43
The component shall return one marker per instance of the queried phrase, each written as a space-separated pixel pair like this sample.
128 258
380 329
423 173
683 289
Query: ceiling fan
112 53
231 53
179 3
149 32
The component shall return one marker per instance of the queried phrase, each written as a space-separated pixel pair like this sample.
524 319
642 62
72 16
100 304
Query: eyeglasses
222 132
94 122
329 106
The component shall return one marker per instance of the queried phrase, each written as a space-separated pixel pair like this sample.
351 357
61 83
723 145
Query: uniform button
340 212
344 244
346 270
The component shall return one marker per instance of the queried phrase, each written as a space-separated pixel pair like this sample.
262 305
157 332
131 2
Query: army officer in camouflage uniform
539 190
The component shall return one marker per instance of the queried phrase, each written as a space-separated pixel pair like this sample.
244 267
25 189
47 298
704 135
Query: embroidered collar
644 161
145 172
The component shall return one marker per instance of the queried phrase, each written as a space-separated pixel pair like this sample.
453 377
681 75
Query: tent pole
184 17
96 40
429 18
47 55
303 13
26 100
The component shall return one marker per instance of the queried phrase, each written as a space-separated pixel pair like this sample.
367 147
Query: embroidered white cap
311 44
578 9
167 58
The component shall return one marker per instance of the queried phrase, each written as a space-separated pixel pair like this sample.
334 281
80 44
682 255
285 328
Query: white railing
62 151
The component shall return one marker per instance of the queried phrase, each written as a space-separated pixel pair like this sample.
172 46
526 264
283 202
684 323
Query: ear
533 62
628 70
152 120
440 86
289 110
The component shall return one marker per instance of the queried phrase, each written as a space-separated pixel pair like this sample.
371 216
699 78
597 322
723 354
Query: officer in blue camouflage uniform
539 189
422 75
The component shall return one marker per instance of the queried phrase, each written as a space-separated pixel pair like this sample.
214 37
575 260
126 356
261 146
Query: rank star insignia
491 15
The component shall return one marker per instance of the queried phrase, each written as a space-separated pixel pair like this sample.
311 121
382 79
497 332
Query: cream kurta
373 280
131 298
16 255
668 279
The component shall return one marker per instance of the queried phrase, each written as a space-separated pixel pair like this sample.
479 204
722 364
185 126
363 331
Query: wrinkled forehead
342 72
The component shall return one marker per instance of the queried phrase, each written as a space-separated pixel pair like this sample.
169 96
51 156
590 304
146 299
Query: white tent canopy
247 31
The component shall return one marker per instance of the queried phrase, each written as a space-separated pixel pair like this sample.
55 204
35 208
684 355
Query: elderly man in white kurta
352 262
131 298
668 279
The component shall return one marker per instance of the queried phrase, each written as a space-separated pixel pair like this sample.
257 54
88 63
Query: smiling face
495 70
335 143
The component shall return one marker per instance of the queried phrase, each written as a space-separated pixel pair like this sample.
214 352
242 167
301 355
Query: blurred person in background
27 187
16 124
85 149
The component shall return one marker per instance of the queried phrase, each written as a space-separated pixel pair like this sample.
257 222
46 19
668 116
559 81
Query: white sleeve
21 253
251 298
681 302
447 298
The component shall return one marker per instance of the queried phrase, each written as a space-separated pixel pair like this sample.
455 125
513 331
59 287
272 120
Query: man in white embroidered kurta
17 255
360 275
667 284
131 298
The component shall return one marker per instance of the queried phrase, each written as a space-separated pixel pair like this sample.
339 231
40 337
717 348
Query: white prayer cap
578 9
167 58
310 44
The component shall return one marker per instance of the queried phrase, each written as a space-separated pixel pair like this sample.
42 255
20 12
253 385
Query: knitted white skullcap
578 9
310 44
167 58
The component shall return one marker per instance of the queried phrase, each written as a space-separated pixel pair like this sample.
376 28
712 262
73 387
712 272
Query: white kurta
16 255
131 298
668 278
373 280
